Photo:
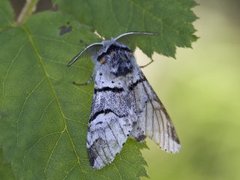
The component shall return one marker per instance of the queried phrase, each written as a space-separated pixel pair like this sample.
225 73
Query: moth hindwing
124 104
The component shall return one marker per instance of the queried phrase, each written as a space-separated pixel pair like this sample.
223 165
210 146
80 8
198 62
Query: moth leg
145 65
89 81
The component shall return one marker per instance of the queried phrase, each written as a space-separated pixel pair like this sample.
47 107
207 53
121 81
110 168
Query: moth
124 103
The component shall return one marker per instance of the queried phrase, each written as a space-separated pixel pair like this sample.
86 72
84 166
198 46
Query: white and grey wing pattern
153 120
110 122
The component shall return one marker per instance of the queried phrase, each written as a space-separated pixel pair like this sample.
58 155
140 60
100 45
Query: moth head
97 49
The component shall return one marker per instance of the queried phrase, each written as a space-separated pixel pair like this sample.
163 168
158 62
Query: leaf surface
171 19
6 15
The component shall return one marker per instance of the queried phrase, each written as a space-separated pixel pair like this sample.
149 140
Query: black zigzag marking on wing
104 111
133 85
112 89
119 89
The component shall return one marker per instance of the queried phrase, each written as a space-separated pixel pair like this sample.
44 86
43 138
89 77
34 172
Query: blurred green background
201 92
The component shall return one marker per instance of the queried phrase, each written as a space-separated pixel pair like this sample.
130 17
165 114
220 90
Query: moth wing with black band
106 137
111 118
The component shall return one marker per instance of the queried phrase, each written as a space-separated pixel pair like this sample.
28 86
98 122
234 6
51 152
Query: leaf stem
27 11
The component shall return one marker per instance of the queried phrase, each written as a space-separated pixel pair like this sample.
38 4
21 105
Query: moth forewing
153 120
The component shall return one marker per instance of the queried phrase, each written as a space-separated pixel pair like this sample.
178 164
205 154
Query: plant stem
27 11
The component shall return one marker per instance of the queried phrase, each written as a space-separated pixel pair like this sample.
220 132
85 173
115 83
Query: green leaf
43 116
172 19
6 14
5 169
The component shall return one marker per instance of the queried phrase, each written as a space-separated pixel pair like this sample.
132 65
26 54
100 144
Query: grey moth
124 104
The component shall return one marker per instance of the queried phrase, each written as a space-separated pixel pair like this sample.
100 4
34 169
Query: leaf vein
24 104
148 12
8 70
36 142
54 147
70 170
